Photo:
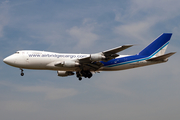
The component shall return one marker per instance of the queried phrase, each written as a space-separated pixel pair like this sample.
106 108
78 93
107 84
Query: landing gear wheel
89 75
80 78
78 75
22 74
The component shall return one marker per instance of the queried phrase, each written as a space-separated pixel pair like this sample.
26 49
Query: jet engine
97 57
64 73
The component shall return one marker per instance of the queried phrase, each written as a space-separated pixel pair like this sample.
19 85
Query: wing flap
92 66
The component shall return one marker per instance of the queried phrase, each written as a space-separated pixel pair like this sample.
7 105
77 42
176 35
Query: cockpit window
16 52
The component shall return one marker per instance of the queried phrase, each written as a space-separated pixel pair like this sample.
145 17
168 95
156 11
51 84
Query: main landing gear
22 74
83 73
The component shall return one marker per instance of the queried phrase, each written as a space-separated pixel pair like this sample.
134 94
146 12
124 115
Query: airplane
84 65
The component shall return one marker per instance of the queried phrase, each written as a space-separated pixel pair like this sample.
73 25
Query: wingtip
173 53
128 45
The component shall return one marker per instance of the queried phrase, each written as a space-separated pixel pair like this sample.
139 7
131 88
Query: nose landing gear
22 74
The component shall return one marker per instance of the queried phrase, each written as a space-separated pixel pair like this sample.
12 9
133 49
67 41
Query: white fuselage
41 60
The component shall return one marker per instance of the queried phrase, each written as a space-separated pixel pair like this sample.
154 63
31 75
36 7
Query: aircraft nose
8 60
5 60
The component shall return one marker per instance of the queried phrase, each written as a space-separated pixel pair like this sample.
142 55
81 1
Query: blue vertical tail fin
158 46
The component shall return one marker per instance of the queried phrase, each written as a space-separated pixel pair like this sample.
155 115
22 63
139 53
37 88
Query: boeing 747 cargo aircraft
86 64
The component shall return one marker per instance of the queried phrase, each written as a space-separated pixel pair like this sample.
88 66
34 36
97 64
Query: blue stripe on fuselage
124 60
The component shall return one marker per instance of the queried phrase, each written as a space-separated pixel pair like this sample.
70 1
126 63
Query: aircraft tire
22 74
80 78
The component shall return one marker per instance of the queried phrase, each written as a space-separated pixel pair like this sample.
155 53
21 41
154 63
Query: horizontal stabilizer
162 57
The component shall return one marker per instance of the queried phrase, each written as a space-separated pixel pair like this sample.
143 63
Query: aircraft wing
116 50
105 55
93 60
112 53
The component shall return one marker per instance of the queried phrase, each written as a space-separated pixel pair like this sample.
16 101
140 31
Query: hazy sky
79 26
